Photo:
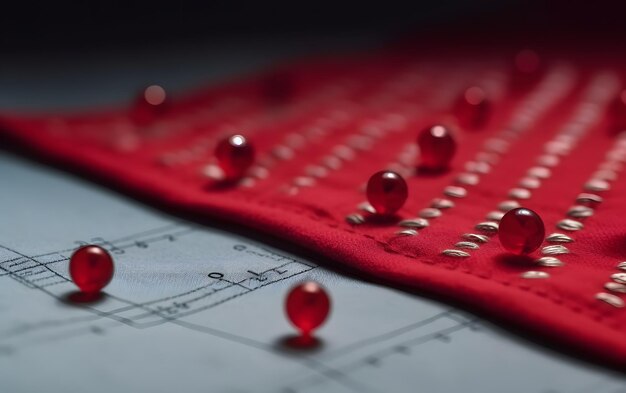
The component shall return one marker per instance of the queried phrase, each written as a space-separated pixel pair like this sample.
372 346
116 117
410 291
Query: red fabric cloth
322 127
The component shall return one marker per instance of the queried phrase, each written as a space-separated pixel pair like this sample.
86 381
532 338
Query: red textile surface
322 127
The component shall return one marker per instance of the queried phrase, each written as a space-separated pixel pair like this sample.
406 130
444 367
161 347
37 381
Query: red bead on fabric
307 306
91 268
386 192
234 155
437 148
521 231
278 87
472 109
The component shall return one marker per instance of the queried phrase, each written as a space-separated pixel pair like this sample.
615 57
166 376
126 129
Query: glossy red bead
473 108
521 231
527 70
527 61
386 192
437 148
234 155
150 103
91 268
307 306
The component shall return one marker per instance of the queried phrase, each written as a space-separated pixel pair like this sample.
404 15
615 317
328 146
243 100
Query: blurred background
79 54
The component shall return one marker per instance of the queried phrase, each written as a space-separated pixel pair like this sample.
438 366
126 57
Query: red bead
307 306
150 103
521 231
235 155
437 148
472 108
91 268
386 192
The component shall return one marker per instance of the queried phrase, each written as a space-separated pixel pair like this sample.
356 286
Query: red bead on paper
386 192
91 268
307 306
234 155
521 231
437 148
